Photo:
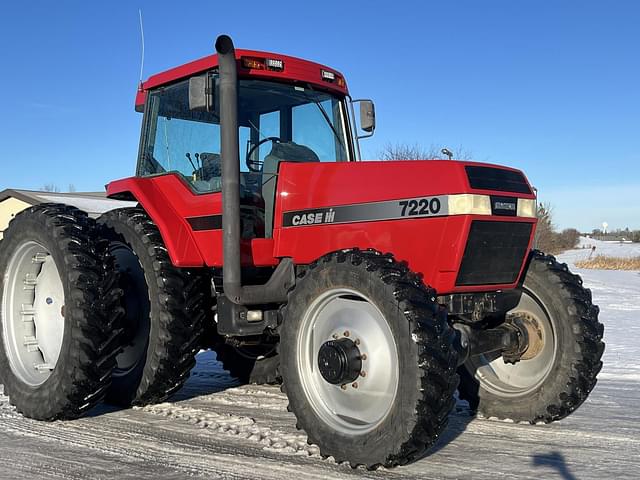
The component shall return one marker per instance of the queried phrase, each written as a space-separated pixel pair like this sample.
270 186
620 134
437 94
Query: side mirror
201 93
367 116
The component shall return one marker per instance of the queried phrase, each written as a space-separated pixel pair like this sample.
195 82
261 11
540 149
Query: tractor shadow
555 461
207 377
459 418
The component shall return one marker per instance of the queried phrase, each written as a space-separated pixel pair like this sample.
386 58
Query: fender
159 205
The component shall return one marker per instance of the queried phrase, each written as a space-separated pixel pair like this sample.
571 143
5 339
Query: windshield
277 122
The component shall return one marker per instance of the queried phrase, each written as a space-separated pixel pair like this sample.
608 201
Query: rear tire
558 379
397 404
164 311
59 313
249 367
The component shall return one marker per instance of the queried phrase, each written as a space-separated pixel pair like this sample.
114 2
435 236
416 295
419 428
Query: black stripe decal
207 222
436 206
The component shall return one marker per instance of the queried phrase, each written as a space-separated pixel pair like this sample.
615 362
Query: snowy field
610 249
215 429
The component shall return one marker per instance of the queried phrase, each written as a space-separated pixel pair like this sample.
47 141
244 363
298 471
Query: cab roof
294 70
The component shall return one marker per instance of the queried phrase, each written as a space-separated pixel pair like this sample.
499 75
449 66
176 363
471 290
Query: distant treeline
551 241
616 235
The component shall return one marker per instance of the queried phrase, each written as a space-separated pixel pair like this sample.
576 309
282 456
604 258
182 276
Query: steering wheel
256 165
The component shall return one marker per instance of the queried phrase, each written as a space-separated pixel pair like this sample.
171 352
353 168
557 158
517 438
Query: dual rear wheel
93 310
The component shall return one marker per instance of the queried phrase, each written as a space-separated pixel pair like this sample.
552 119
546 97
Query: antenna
142 41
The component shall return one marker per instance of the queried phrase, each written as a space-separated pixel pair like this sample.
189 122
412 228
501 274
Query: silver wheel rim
525 376
361 406
32 313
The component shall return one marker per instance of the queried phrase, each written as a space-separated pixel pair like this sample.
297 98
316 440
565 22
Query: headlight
469 204
526 208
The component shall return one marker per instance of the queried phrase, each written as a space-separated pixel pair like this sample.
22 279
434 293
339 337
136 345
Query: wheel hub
528 371
344 323
339 361
534 333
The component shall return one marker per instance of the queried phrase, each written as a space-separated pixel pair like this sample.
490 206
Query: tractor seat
280 152
211 166
289 152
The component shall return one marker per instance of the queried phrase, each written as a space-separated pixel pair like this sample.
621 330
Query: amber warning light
253 63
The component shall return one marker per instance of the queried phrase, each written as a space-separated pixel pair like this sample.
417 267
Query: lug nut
346 333
357 342
354 384
363 374
363 356
343 387
334 336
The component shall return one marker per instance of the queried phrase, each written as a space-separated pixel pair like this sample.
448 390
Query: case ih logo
313 218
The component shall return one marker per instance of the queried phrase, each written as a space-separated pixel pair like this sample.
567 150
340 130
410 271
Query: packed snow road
216 429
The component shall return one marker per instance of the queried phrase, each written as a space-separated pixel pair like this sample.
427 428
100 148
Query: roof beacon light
253 63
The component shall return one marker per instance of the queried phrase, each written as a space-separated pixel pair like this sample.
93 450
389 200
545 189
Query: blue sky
551 87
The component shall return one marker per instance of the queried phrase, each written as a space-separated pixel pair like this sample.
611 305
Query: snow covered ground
611 249
215 429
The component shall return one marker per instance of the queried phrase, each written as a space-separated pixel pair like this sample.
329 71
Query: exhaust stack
228 72
283 277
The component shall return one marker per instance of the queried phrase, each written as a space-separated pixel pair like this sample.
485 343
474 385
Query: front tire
367 359
59 313
557 373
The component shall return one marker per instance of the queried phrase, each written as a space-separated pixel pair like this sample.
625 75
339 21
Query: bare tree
72 188
547 239
405 151
50 187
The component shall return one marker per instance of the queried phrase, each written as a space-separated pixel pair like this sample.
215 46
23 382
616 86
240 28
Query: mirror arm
356 138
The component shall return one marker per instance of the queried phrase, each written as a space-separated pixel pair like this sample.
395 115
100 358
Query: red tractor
371 290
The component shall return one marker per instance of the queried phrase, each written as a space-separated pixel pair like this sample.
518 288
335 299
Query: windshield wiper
326 117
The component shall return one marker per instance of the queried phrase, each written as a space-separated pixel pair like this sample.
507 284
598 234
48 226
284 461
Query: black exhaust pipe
229 148
283 278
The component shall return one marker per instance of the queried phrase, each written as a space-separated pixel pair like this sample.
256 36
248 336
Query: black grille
487 178
494 253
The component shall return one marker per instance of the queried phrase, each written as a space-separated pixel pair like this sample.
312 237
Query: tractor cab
279 119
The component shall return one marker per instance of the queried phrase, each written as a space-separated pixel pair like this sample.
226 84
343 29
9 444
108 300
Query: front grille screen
494 252
488 178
